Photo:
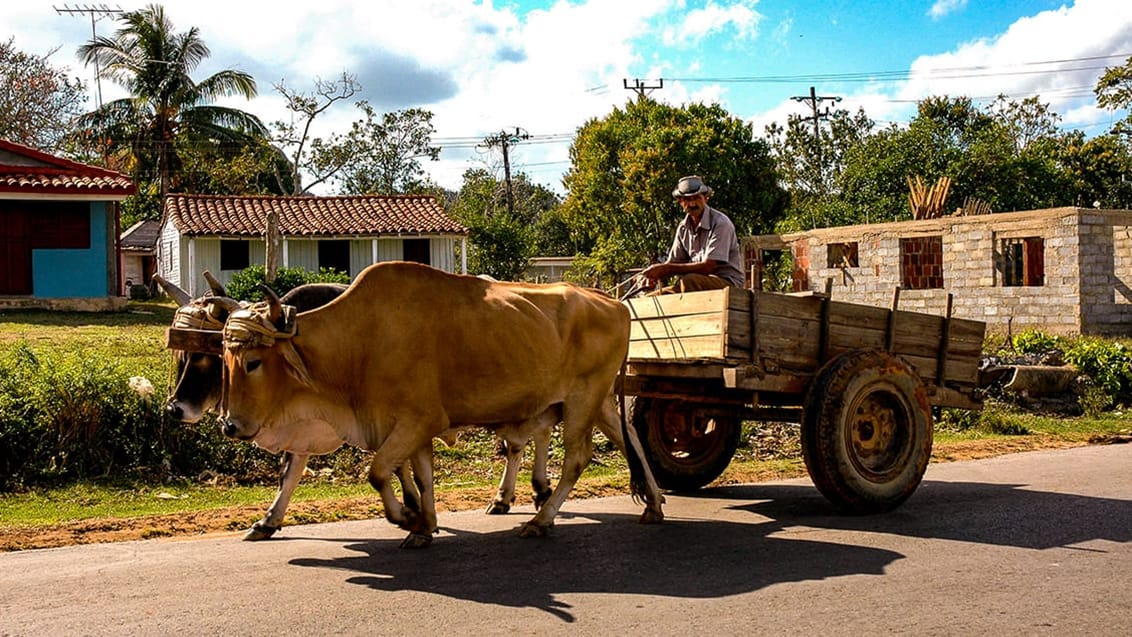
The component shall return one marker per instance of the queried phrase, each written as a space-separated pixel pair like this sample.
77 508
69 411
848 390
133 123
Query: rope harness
196 315
251 328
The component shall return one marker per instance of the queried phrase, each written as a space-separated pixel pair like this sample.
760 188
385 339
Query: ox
409 351
197 390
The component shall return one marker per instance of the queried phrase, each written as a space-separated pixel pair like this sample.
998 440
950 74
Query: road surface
1027 544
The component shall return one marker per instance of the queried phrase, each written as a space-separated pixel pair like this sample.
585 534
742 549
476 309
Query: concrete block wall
1087 258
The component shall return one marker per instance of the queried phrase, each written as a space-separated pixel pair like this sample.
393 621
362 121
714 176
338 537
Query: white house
225 234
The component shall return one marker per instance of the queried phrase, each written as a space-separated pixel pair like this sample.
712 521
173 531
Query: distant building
59 232
548 269
138 247
1061 270
224 234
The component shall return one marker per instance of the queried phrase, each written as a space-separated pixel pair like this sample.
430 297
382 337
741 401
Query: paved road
1028 544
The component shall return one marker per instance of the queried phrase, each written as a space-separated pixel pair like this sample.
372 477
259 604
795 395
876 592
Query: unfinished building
1062 270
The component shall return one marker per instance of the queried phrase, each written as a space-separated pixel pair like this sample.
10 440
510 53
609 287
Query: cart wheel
687 445
866 431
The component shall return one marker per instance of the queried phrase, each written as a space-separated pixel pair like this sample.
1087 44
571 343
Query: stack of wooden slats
927 203
974 206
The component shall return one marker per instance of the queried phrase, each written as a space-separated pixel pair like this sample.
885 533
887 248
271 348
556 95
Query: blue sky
548 67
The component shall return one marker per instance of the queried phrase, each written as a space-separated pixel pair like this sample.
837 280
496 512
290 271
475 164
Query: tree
321 159
810 168
1114 91
386 152
166 107
39 102
1002 155
501 244
257 168
625 165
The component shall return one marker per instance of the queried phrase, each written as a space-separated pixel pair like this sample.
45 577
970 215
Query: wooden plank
677 327
673 305
689 348
191 340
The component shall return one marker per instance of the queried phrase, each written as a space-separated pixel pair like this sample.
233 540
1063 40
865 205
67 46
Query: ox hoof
530 529
416 541
652 517
498 508
260 532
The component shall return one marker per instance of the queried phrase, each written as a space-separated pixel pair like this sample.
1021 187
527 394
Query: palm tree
165 107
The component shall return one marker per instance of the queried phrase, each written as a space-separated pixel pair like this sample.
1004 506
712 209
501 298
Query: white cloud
713 18
1047 55
942 8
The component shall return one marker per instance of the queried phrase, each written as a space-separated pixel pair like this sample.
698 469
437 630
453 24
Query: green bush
78 414
245 283
1035 342
1108 363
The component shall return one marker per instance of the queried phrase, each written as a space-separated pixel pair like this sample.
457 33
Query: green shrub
77 414
1108 363
245 283
1035 342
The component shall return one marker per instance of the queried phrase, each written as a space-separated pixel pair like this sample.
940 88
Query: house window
334 254
416 250
841 255
921 263
1023 261
60 225
234 254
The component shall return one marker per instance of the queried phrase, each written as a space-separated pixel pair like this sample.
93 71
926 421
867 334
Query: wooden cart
860 380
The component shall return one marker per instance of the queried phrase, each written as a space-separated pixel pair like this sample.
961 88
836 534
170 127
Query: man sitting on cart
705 253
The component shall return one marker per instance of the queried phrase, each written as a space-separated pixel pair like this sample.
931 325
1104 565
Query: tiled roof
310 216
141 236
26 170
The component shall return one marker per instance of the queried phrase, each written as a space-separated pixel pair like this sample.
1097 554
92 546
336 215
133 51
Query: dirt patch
234 520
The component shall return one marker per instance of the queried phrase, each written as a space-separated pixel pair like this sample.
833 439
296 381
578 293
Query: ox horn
215 284
224 304
275 305
177 294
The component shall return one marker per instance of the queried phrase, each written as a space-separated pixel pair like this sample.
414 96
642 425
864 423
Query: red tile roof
310 216
26 170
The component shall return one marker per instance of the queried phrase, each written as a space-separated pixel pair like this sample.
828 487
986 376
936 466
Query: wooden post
890 331
823 339
944 343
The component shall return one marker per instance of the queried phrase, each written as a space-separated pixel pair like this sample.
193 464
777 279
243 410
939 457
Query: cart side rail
769 334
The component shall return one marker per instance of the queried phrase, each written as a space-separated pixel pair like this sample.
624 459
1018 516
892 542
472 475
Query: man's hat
691 186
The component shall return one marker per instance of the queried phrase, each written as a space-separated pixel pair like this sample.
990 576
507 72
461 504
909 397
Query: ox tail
634 455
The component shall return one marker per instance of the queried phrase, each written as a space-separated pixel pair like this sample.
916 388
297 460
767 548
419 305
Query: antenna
97 12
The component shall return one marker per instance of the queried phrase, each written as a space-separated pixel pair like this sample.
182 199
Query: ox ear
274 304
214 283
177 294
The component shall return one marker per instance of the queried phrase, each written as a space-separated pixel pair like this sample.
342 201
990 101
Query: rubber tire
709 454
858 471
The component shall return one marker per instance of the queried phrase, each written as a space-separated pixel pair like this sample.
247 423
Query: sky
545 68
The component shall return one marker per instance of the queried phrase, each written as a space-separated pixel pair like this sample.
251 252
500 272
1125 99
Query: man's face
693 204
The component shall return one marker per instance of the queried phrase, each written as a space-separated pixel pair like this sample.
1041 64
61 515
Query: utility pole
97 12
815 103
640 88
505 139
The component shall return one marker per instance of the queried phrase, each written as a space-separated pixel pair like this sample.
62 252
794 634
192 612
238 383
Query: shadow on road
714 558
999 514
694 559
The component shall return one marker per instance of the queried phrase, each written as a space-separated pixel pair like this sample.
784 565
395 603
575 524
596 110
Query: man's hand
656 272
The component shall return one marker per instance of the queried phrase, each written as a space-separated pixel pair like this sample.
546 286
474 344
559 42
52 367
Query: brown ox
197 390
407 352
